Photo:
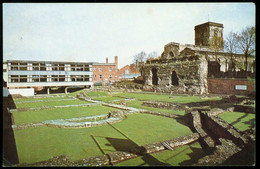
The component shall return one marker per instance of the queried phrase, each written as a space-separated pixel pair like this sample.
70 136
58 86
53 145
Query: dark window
61 67
43 78
54 78
35 66
80 68
23 78
86 78
80 78
72 67
73 78
14 78
62 78
23 66
35 78
86 67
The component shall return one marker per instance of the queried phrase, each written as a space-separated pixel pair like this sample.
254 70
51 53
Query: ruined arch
171 54
154 76
175 79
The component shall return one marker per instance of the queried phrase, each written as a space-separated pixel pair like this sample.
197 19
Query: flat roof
101 64
58 62
210 24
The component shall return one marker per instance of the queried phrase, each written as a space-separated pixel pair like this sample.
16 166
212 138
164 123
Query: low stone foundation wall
175 142
221 154
174 116
217 111
164 105
244 108
197 124
185 106
25 126
80 122
51 107
222 129
36 101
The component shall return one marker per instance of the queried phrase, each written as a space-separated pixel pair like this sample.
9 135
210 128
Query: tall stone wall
191 72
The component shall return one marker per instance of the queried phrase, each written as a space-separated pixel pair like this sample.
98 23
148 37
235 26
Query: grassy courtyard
185 155
42 143
59 113
165 97
49 103
242 121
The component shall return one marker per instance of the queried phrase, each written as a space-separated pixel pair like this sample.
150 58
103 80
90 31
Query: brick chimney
116 62
106 60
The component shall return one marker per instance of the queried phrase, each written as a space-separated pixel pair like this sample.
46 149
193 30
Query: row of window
100 76
49 78
49 67
100 69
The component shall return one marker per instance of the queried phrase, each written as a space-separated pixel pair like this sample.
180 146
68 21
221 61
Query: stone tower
204 32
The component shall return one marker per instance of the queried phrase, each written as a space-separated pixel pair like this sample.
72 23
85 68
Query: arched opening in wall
175 80
154 76
171 54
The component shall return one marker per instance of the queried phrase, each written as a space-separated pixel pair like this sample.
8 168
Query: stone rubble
221 154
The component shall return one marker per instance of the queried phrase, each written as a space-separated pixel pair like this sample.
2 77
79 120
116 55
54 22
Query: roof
103 64
57 62
210 24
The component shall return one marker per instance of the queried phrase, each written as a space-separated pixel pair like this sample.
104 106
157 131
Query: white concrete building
46 74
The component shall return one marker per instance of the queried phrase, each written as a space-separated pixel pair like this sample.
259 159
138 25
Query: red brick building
107 73
128 72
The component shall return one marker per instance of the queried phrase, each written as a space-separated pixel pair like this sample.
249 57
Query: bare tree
152 55
246 42
231 46
216 42
140 57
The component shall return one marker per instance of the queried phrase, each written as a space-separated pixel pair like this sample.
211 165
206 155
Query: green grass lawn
242 121
42 143
40 98
184 155
50 103
165 97
138 104
97 93
74 94
59 113
108 99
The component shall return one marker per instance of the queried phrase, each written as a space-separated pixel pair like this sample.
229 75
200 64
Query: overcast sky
91 32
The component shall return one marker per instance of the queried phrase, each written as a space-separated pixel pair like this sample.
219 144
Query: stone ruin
184 68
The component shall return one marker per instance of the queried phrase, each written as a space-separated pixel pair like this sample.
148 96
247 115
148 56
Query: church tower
204 32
